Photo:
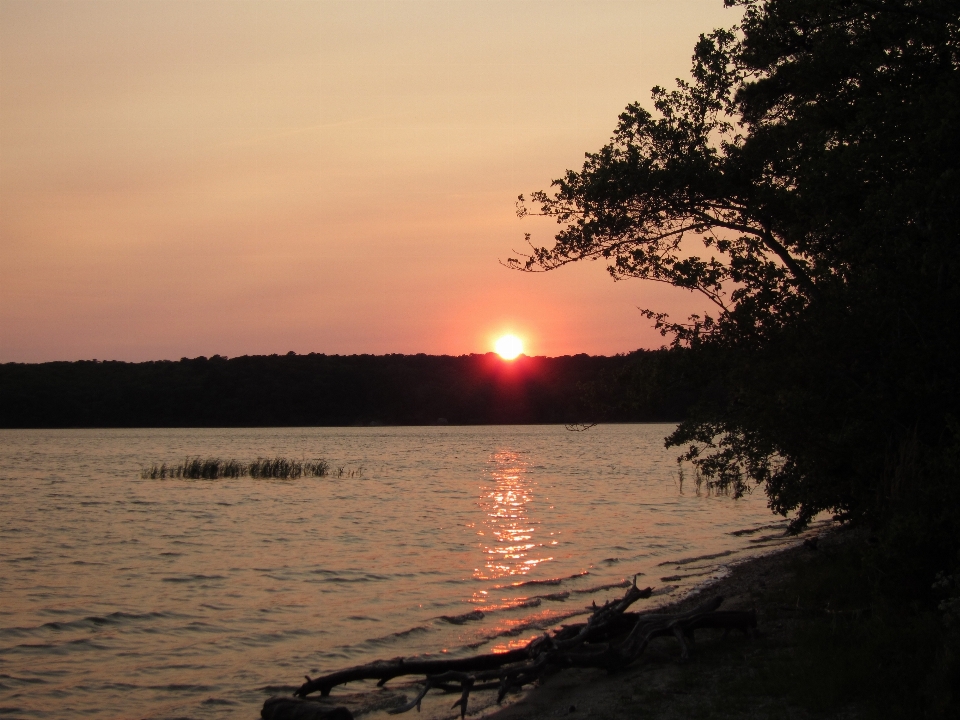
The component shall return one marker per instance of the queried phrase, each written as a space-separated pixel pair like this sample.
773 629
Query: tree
805 182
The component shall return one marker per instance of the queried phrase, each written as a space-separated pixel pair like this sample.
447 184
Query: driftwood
611 639
288 708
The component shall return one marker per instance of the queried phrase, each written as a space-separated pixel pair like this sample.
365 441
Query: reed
344 472
213 468
280 467
155 472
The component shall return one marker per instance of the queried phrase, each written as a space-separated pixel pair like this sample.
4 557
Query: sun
508 347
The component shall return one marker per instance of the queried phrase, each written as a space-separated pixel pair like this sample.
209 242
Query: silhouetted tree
805 182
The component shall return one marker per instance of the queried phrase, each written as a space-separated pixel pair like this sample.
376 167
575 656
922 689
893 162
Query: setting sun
508 347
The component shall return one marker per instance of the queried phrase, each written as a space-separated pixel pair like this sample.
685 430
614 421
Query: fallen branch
611 638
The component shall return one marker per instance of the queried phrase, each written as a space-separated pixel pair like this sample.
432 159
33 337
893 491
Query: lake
126 597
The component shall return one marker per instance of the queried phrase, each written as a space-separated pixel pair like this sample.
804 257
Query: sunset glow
235 149
509 347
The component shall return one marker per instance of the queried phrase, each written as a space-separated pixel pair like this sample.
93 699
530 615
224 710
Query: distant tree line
316 390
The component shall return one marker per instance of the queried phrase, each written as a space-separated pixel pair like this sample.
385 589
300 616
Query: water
129 598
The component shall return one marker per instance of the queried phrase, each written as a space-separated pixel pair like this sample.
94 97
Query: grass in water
285 468
213 468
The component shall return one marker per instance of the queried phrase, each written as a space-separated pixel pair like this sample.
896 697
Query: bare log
603 616
287 708
384 670
611 638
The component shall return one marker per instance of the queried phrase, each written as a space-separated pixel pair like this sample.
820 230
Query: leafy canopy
805 182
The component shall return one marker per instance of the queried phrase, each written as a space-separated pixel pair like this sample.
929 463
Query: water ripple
129 597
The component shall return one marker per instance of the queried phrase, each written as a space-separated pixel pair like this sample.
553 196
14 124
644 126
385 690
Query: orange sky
182 178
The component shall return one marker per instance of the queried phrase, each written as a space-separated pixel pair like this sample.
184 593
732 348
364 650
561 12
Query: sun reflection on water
508 531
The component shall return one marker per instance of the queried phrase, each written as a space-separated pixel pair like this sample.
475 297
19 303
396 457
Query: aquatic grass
280 467
198 468
344 472
210 469
154 472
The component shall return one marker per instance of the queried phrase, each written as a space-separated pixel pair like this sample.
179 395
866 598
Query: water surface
125 597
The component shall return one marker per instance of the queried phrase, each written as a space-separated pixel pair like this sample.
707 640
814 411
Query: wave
182 687
265 639
61 648
378 642
192 577
551 581
768 538
87 623
539 621
408 631
531 602
542 621
516 604
608 586
665 590
563 595
336 576
8 682
677 578
751 531
463 619
687 561
536 623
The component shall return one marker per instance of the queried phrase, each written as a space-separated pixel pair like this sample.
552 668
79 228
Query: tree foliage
805 182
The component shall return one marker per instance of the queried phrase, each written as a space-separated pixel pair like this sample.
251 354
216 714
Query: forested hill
308 390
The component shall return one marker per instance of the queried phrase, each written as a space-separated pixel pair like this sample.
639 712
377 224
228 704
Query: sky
183 178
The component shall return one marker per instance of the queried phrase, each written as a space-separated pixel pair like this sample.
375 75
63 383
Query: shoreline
591 693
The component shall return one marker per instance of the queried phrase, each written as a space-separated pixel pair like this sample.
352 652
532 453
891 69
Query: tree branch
901 10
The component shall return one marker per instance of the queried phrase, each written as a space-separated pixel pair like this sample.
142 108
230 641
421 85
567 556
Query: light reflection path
513 543
508 529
